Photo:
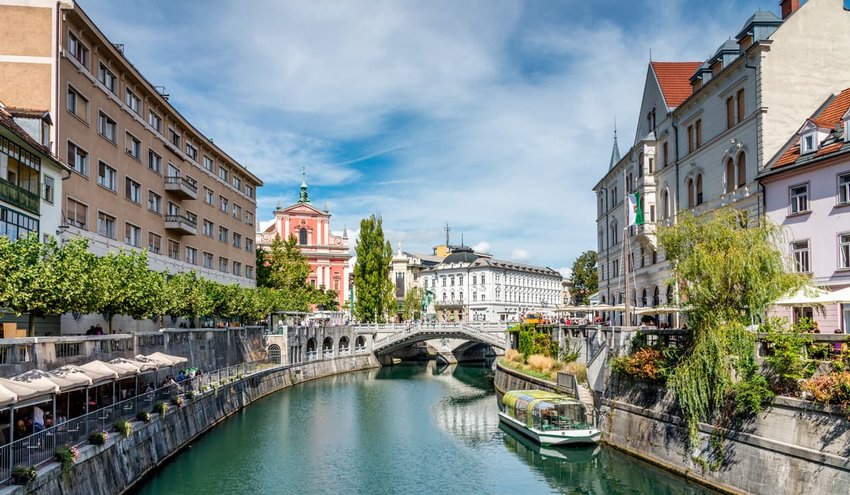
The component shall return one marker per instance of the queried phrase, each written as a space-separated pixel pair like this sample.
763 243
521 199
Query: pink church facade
326 252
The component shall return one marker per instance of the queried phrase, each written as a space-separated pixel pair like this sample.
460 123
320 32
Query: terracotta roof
827 117
675 80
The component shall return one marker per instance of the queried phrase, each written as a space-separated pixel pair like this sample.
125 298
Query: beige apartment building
144 177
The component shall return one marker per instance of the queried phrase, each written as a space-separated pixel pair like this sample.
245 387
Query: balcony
182 187
19 197
181 224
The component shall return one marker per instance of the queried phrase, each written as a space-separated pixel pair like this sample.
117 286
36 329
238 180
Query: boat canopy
545 410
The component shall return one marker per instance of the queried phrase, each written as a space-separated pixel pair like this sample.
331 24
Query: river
408 429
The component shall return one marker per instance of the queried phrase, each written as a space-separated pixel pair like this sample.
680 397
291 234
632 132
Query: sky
495 117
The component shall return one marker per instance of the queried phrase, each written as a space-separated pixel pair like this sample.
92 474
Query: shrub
787 364
514 356
833 388
190 396
752 395
160 408
67 456
144 416
577 369
23 475
540 363
123 427
571 353
178 400
99 437
645 364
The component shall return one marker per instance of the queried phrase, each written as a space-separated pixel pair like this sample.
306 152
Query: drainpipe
677 322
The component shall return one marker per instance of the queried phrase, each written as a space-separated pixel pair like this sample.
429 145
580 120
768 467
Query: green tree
372 284
728 276
327 300
128 287
411 307
188 295
584 278
285 268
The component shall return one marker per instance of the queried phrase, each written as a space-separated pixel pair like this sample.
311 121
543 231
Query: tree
372 282
411 307
188 295
327 300
285 268
728 276
584 278
128 287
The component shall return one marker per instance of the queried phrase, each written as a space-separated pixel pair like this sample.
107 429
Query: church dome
461 254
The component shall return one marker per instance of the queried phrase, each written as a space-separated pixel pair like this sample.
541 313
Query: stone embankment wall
122 462
507 379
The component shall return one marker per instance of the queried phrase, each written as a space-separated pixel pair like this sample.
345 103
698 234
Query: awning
22 391
7 396
99 372
659 310
807 296
41 381
73 375
132 365
162 359
841 296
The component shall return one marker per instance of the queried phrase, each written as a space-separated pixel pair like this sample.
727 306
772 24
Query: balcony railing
182 187
19 196
182 224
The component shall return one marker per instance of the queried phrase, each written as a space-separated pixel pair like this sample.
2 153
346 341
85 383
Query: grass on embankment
542 367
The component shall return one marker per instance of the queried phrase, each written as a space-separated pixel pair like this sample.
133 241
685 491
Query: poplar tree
374 298
584 278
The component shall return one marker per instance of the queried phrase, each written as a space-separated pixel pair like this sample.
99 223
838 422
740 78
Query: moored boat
547 418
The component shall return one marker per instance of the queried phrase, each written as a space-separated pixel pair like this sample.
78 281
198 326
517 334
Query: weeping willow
728 275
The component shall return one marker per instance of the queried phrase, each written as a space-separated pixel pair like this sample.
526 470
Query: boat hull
554 437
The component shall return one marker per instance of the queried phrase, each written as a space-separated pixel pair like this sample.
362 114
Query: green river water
408 429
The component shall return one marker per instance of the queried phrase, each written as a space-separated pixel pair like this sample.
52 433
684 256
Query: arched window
274 354
665 204
302 236
453 295
730 175
656 297
742 169
445 297
699 189
670 294
360 343
343 344
460 296
603 299
690 193
640 165
311 345
643 298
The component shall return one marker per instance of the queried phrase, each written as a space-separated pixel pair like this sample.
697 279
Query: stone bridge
392 337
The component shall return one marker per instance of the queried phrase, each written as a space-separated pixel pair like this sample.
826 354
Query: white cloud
519 254
482 247
565 271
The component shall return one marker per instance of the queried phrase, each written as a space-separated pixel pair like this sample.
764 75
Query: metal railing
183 182
40 448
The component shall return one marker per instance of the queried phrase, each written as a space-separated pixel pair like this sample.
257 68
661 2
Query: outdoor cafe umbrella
71 377
21 391
43 381
841 296
807 296
132 365
659 310
163 359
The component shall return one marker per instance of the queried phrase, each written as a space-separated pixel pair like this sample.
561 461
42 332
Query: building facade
807 194
405 271
326 252
143 176
704 132
467 286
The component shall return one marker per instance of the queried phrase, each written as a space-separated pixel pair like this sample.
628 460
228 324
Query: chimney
789 7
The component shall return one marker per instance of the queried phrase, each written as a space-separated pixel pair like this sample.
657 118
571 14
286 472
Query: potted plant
99 437
67 456
160 408
144 416
124 427
23 475
190 396
178 400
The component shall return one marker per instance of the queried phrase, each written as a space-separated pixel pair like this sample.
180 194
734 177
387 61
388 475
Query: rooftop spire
615 153
303 198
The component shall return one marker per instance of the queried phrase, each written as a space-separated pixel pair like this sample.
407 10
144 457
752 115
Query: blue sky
494 116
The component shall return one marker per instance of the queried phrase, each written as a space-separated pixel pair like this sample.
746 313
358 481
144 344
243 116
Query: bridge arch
311 344
343 346
406 336
327 346
360 343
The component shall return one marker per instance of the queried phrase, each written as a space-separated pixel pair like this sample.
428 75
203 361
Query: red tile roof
675 80
827 118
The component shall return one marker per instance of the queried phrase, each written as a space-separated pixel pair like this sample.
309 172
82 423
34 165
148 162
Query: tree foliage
128 287
728 276
411 307
584 278
284 268
374 299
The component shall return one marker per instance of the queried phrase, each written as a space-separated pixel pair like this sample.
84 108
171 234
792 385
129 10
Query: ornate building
326 252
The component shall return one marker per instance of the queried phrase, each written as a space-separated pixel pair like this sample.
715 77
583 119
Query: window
76 213
192 152
222 173
172 171
208 163
844 251
799 198
132 235
237 269
237 240
78 159
665 205
78 50
132 101
175 137
664 154
107 78
249 244
155 121
482 279
154 243
173 249
132 190
690 138
742 169
173 209
249 217
223 234
741 104
249 272
730 175
249 191
237 182
77 104
807 143
698 132
106 127
208 260
191 255
302 236
223 203
844 189
209 198
800 252
49 189
208 228
690 193
134 147
105 225
730 112
106 176
699 189
154 162
237 211
154 202
222 264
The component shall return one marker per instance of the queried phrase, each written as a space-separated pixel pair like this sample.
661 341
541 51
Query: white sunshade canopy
659 310
71 374
21 390
7 396
42 381
132 365
163 359
841 296
98 372
807 296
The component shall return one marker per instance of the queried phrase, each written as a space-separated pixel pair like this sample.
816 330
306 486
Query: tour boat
547 418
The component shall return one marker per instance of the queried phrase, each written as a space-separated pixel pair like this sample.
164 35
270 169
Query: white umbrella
807 296
840 296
